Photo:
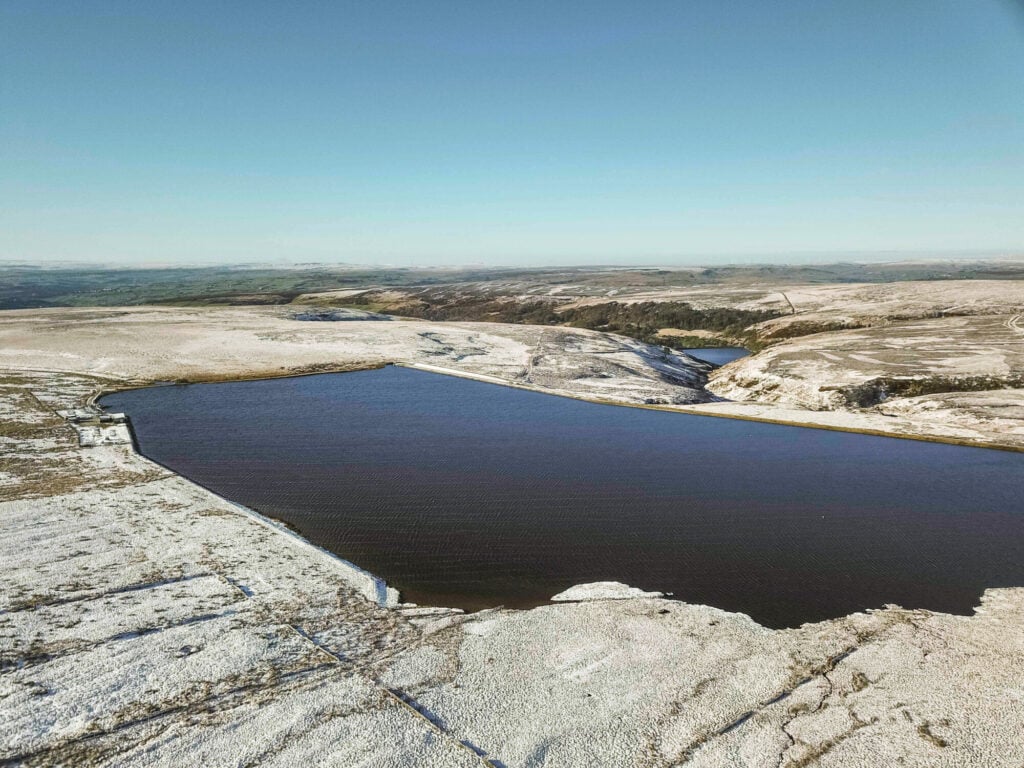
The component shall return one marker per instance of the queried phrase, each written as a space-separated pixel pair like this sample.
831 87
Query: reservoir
717 355
468 494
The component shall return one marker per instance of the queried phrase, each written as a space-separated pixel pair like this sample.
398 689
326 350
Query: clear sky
538 133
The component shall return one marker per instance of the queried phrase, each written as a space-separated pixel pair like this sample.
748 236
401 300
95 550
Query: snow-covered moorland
145 621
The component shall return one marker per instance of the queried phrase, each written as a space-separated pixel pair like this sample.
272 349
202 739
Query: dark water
470 494
717 355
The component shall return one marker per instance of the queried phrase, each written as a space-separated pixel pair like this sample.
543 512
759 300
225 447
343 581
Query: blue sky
535 133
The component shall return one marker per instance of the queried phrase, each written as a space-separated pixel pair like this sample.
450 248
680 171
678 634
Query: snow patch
602 590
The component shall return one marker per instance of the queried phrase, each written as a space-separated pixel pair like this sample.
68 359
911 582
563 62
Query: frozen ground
145 621
151 344
929 359
886 357
844 379
824 370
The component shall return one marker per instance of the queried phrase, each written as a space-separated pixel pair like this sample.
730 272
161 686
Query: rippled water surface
470 494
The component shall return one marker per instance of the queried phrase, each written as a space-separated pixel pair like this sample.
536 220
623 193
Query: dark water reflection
470 494
717 355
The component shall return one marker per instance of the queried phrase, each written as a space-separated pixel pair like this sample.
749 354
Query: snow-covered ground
810 379
151 344
863 301
800 381
145 621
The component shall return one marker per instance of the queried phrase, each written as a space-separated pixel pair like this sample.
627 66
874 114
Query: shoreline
692 409
176 603
375 588
200 346
370 585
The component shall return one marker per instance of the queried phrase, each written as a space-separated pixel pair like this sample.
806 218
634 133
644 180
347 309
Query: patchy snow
798 379
112 434
165 344
147 622
602 590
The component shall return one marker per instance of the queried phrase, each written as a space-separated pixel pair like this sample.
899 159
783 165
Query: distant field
23 286
748 306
